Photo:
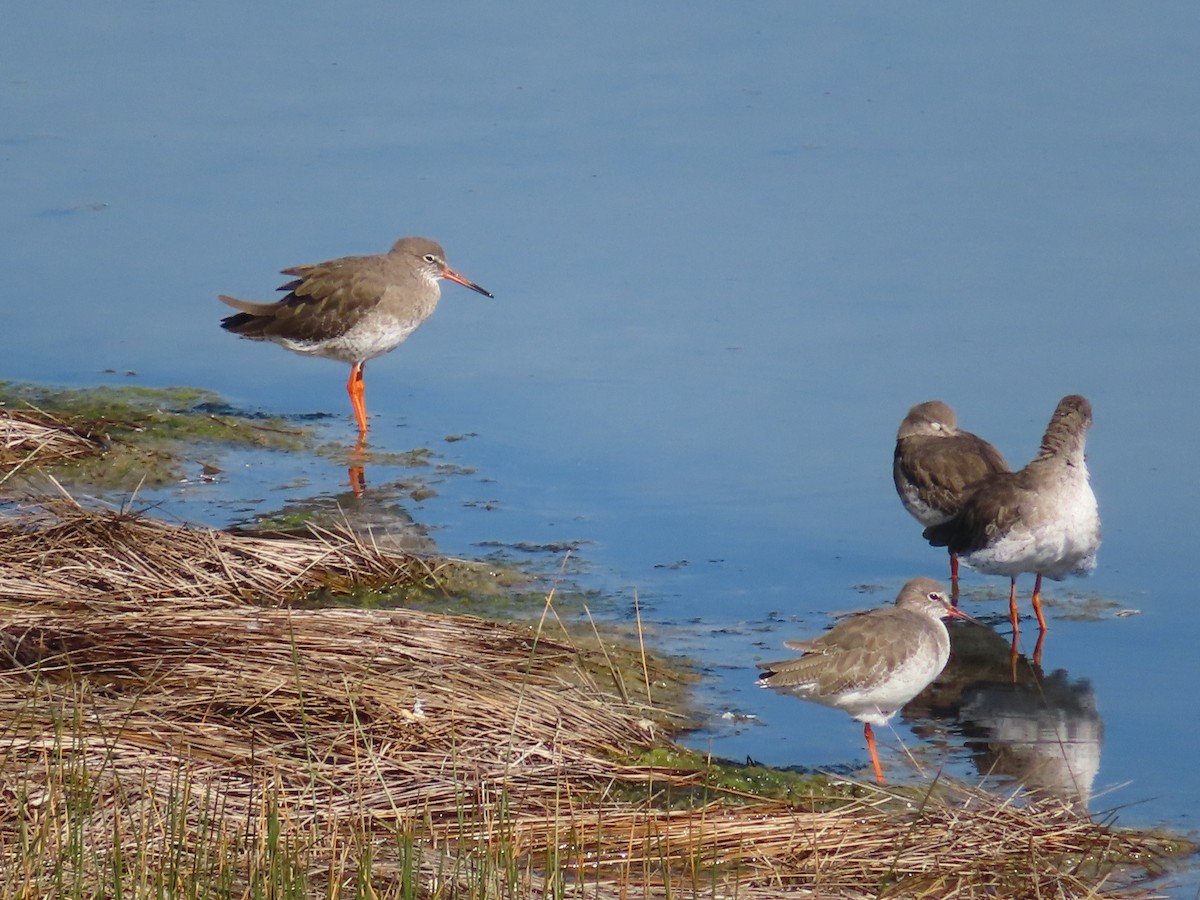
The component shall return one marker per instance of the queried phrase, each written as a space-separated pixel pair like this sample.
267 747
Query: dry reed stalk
968 843
34 437
346 715
56 551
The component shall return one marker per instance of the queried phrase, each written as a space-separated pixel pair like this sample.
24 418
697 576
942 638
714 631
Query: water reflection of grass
179 718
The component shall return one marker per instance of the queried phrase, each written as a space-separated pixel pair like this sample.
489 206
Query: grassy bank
177 720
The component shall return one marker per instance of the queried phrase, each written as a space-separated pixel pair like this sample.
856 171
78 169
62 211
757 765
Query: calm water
730 244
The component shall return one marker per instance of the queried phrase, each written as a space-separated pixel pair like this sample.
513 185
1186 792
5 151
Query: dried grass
162 712
54 551
34 437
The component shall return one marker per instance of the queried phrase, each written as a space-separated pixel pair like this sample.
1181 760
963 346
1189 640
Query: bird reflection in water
1043 732
357 467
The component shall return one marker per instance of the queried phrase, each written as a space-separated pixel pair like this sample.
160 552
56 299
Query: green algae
416 458
733 782
295 521
453 586
146 437
134 412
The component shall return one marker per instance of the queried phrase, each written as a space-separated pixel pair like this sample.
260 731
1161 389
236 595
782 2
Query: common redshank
1042 519
352 309
936 466
872 663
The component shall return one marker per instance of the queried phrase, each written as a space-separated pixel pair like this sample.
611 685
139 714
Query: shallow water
730 246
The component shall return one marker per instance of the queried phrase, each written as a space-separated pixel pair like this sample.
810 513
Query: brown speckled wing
858 652
943 468
324 302
989 513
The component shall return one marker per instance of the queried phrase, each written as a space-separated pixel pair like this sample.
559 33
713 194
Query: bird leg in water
870 735
357 390
1037 603
953 578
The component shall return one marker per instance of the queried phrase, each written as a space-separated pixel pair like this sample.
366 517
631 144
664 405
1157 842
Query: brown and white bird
872 663
351 309
1042 519
936 466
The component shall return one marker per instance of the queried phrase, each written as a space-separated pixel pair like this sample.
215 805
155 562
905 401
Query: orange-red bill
953 612
465 282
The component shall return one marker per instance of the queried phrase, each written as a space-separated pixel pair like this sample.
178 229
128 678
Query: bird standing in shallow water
872 663
351 309
1042 519
936 466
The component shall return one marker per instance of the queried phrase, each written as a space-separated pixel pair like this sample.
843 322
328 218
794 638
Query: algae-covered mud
300 705
132 436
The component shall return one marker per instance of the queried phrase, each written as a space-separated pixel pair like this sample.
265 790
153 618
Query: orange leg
357 390
953 578
874 756
1012 604
1037 603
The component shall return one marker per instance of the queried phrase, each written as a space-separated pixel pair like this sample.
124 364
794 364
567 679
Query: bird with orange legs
874 662
352 309
1042 519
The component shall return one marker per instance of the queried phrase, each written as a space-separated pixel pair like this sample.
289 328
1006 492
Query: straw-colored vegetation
32 436
176 722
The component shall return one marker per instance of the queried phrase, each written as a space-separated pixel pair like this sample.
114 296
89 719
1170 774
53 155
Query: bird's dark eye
429 257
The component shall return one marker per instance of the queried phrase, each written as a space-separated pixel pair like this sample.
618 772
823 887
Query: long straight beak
465 282
953 612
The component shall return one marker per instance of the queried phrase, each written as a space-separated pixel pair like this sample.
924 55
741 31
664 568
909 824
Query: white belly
920 510
371 337
1053 546
879 702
